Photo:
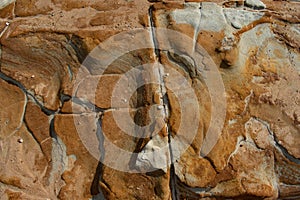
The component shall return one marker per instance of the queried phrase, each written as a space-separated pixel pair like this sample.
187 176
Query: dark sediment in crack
153 34
282 149
51 129
79 47
166 105
87 105
95 189
186 65
19 85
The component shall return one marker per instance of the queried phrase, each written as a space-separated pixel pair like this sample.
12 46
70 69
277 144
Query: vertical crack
51 128
153 34
166 105
22 121
4 30
96 191
13 10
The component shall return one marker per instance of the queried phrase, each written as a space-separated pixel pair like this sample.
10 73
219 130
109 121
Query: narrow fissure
193 193
96 191
19 85
153 34
22 119
31 133
282 149
4 30
51 129
166 105
88 105
13 10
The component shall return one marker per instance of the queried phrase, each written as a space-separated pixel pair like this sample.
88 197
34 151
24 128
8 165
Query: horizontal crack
189 192
87 104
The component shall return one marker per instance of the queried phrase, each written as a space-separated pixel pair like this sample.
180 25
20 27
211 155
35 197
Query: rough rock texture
66 110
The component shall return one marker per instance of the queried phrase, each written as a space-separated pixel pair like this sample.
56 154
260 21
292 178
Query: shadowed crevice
166 103
19 85
95 188
79 47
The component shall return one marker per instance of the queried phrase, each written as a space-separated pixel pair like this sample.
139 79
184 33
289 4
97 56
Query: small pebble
166 75
236 24
7 23
124 100
20 140
32 76
160 107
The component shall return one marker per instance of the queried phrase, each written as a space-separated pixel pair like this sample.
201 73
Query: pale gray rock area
256 4
4 3
212 17
240 18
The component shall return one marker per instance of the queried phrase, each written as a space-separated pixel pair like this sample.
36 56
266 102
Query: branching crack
19 85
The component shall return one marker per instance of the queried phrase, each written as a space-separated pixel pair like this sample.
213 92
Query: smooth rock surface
255 4
12 108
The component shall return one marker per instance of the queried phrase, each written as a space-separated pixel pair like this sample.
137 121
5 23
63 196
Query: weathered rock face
149 99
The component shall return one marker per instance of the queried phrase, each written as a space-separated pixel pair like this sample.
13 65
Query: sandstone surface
158 99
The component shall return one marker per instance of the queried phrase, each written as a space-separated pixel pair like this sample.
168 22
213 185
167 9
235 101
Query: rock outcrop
158 99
